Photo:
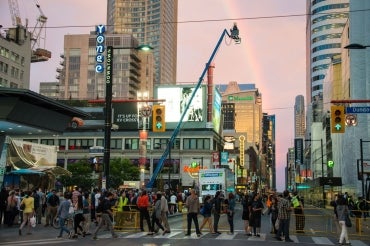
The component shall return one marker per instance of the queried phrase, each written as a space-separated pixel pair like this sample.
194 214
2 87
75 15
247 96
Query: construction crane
39 54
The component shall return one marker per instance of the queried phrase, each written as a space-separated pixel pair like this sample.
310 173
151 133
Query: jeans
284 228
194 217
230 219
216 217
62 223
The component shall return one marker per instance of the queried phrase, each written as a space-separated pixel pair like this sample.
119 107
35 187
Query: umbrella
26 172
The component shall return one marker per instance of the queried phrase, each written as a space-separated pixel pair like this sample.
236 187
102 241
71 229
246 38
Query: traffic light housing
338 119
158 118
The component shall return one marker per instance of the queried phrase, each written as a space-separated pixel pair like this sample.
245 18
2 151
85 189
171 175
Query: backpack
36 199
100 207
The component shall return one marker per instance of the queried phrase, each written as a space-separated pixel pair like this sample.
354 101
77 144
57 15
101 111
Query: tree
81 175
121 170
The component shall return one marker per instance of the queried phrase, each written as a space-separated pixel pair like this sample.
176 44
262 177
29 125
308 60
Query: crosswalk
179 235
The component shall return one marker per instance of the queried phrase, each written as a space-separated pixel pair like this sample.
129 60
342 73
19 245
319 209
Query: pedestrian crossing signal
158 118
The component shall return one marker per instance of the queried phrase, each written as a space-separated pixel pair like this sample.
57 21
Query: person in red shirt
143 204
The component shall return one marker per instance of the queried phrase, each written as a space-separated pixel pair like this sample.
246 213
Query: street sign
357 110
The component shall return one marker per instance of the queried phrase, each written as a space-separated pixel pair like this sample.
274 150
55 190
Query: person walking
207 214
106 216
143 204
63 214
231 212
156 214
217 201
246 204
86 213
193 207
273 212
284 210
52 203
11 208
164 213
78 217
28 212
343 212
256 212
3 197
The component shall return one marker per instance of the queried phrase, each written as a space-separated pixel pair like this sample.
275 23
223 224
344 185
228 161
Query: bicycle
69 221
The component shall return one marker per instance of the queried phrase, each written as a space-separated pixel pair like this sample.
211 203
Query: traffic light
159 119
338 119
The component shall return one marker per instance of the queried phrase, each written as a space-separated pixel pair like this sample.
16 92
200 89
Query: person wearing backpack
52 203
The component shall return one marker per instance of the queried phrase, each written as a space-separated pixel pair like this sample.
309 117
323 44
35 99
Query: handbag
22 206
33 221
348 221
277 224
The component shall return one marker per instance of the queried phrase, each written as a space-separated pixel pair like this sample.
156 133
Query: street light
355 46
108 105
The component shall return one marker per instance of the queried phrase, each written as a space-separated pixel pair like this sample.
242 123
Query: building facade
15 58
152 23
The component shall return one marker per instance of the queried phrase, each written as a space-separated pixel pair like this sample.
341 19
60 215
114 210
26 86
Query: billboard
216 110
125 115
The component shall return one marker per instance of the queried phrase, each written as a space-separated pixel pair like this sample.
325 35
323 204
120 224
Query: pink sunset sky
271 54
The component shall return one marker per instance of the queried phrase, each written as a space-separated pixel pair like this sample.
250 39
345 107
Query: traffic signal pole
233 35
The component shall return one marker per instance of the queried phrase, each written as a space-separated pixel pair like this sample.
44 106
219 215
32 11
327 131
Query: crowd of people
96 207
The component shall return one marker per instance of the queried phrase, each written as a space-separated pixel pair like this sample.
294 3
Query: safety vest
295 202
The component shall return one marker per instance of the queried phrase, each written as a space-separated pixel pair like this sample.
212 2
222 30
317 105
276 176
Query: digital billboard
176 100
216 110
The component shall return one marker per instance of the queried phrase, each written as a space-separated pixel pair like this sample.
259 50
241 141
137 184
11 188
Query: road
314 235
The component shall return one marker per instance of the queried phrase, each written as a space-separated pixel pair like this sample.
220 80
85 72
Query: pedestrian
143 205
284 210
39 197
245 214
193 207
207 214
273 212
343 212
86 213
164 213
106 215
52 203
256 212
78 217
231 212
217 201
28 212
173 202
3 197
63 214
11 208
156 214
298 212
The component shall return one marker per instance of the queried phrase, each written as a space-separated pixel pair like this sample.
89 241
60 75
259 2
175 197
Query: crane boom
235 36
14 12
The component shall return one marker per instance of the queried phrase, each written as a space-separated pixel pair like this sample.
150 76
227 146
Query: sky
271 54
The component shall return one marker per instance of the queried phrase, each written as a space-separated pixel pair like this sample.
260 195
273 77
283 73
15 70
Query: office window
199 143
132 143
80 143
47 141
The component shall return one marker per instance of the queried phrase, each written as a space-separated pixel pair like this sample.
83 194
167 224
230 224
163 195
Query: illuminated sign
240 98
100 40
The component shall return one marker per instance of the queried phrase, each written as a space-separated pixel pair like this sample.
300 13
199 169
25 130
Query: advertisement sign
125 115
216 110
176 100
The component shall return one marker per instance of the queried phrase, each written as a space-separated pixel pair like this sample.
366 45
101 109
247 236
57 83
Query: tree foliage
81 175
122 170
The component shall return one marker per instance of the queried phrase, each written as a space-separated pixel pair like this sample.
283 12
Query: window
80 143
199 143
132 143
47 141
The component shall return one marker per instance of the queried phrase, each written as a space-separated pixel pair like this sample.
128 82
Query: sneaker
59 237
278 238
70 234
258 235
198 235
187 234
289 240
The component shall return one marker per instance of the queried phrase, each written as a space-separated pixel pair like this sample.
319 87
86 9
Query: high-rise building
325 24
152 23
78 79
15 58
299 117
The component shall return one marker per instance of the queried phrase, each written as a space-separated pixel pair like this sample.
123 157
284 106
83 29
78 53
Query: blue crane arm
177 129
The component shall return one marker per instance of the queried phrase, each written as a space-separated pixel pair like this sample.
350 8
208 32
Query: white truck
212 180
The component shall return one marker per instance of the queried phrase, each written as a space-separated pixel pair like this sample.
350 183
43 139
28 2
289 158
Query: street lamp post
108 107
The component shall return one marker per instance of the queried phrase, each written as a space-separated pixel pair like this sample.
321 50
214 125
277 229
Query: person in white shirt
173 202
